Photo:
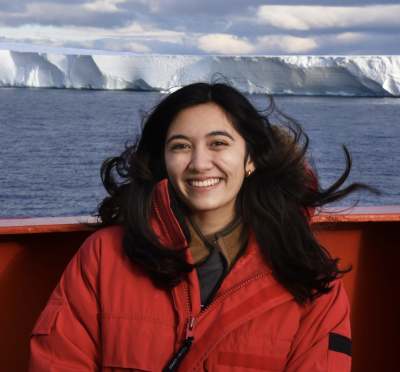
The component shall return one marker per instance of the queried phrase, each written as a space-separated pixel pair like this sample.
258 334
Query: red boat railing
35 251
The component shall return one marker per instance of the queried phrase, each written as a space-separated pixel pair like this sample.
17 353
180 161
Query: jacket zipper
201 315
192 321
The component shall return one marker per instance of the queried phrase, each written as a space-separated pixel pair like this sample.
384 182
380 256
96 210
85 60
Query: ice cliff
41 67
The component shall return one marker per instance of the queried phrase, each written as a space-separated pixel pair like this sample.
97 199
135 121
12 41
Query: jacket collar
164 218
171 228
231 241
169 224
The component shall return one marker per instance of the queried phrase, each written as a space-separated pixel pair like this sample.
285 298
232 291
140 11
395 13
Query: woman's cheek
176 166
232 164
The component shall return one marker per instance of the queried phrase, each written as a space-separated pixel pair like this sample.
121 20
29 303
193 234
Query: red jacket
106 314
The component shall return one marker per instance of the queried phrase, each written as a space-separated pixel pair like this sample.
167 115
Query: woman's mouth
205 183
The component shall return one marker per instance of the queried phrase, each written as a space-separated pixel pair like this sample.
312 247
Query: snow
45 67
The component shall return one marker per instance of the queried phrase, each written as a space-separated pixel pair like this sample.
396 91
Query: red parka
107 315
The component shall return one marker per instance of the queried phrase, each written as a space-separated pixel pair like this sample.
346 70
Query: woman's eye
219 143
180 146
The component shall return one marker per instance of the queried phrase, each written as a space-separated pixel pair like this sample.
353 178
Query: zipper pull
178 357
190 327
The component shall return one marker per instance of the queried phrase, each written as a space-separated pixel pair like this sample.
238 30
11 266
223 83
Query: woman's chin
203 206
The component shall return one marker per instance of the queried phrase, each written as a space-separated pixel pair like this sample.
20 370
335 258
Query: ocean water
53 142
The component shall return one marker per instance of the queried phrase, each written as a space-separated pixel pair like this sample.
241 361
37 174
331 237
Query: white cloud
224 44
310 17
113 45
351 36
287 44
138 48
229 44
130 46
110 6
104 6
153 5
134 29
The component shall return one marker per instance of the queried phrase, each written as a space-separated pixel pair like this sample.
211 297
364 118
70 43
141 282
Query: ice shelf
43 67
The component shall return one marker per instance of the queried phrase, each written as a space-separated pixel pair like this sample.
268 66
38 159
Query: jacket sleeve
323 339
67 334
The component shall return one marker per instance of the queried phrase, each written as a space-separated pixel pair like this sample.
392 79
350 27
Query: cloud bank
239 27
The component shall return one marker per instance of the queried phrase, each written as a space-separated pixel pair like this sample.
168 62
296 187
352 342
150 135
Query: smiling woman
204 258
204 155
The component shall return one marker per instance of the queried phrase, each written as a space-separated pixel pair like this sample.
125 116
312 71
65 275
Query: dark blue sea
53 142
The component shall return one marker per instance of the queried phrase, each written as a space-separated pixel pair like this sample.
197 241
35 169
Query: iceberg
45 67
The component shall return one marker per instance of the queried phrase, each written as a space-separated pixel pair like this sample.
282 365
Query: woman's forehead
200 120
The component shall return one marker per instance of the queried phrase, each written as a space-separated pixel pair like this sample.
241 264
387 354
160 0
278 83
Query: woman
206 260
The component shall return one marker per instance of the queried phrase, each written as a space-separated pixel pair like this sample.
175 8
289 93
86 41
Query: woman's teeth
211 181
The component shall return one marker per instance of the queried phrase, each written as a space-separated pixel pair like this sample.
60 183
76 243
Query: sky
198 27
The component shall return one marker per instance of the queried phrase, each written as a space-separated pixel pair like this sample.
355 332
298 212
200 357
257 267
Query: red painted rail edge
11 226
359 214
14 226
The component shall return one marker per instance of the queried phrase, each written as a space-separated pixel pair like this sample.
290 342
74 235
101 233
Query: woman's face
204 156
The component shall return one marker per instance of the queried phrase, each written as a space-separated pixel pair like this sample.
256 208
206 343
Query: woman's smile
204 184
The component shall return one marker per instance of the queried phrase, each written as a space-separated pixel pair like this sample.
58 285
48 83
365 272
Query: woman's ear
249 165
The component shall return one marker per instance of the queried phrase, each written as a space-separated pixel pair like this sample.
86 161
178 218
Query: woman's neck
210 223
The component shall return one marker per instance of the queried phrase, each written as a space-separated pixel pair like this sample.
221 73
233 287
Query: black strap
178 357
339 343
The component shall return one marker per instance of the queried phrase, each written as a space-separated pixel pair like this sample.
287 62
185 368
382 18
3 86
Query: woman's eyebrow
220 133
177 136
211 134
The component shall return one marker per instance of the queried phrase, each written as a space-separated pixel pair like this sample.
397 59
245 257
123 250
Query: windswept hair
275 200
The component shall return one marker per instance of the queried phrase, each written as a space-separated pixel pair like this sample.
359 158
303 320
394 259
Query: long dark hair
275 200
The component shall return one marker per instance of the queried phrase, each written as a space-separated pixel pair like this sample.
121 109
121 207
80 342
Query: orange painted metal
34 252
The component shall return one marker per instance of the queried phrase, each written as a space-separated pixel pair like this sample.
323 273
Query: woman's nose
200 161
